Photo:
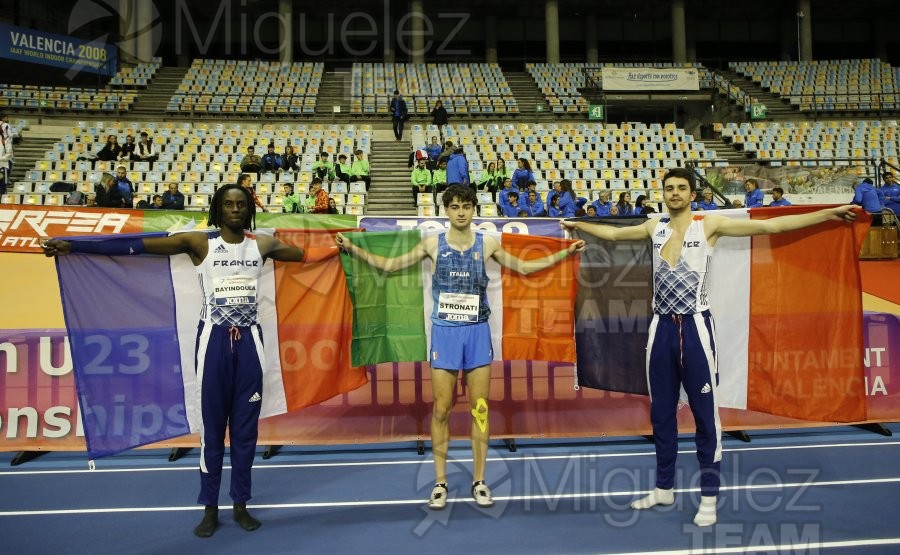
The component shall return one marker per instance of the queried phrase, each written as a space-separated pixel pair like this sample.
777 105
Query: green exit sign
596 111
757 111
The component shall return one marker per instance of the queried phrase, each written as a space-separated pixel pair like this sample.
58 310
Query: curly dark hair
462 192
215 207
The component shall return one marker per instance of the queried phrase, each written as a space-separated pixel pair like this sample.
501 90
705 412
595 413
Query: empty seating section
627 157
136 77
198 158
805 141
33 97
244 87
559 83
828 84
463 88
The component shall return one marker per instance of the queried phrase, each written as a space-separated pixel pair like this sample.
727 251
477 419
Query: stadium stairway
333 91
36 141
527 95
726 151
390 193
152 101
776 107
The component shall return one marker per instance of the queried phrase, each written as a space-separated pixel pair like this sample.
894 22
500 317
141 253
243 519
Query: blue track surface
834 490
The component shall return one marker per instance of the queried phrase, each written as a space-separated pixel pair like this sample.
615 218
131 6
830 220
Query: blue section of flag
120 315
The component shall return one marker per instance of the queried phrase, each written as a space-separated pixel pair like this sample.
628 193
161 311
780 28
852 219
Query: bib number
458 307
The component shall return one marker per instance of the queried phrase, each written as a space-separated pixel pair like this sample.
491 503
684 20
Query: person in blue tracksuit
891 193
503 195
229 345
566 204
522 175
681 348
707 203
534 205
865 195
602 204
460 333
458 168
753 198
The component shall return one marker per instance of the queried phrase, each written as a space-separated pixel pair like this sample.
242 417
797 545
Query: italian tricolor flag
532 317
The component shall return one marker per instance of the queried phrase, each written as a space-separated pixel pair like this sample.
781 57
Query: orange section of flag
539 309
315 324
806 336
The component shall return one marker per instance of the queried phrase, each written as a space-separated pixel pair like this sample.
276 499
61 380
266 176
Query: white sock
657 497
706 513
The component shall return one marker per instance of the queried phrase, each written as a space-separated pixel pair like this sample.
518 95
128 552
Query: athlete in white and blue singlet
681 349
460 336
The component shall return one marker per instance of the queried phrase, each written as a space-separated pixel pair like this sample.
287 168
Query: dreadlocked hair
215 207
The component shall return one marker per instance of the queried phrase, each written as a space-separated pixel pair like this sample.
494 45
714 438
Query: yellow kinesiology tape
480 414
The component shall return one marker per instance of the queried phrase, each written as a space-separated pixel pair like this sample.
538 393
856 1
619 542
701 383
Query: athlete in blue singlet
460 335
229 351
681 348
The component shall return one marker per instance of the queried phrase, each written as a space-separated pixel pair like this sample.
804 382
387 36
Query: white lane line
513 458
390 502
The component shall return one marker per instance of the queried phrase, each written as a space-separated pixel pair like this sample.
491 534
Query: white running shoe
482 494
438 497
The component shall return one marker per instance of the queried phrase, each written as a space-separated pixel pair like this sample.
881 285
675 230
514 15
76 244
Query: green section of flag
388 319
179 220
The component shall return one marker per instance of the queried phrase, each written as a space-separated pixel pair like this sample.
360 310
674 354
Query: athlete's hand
846 213
56 247
568 225
342 242
577 246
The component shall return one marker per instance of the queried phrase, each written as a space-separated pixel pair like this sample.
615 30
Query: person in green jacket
488 179
291 203
421 176
500 174
323 169
359 171
439 176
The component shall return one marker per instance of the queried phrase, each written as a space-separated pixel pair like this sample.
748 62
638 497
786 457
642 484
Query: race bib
234 290
458 307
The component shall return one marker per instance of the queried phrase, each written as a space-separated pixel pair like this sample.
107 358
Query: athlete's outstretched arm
612 233
727 227
392 264
192 243
493 248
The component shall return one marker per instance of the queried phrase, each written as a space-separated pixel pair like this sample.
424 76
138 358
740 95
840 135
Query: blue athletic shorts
461 347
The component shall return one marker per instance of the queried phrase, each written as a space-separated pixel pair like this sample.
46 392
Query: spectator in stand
590 211
533 205
157 203
244 181
439 177
271 162
707 203
421 177
753 198
359 170
458 168
448 151
251 163
523 175
125 186
433 150
111 150
399 114
778 197
317 201
602 205
736 203
106 193
323 169
7 155
553 205
332 206
866 196
623 207
439 117
127 153
503 195
891 193
640 205
146 152
487 181
173 199
566 199
291 202
342 169
290 162
502 173
511 209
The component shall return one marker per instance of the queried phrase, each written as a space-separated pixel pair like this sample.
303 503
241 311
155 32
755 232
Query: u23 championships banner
650 79
38 47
